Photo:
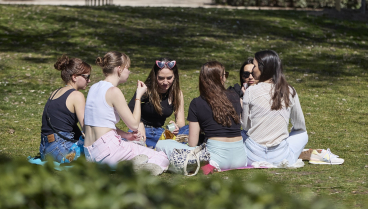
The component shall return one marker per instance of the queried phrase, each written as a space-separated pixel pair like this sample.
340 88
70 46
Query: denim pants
57 149
289 149
225 155
154 133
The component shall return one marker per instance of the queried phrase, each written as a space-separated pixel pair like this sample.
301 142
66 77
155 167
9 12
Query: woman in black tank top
162 99
63 110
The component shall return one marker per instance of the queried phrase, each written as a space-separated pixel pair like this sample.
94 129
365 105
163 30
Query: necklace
70 86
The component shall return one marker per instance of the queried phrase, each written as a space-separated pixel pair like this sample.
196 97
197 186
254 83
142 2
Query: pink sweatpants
110 149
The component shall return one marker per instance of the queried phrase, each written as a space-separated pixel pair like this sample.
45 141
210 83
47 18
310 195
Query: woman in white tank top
105 106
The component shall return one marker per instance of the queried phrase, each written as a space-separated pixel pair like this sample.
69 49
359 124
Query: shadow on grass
190 36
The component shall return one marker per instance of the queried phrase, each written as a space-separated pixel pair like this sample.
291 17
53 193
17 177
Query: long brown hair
152 87
213 91
71 66
269 63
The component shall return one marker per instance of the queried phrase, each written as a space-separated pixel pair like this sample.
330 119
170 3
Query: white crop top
98 112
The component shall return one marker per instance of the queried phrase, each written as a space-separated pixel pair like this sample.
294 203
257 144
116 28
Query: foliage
89 185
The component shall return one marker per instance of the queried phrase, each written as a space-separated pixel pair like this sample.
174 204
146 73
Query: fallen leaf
11 131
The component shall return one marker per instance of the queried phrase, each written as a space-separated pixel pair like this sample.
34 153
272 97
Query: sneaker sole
325 163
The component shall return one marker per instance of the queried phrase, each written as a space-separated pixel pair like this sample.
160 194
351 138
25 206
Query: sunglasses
226 74
85 76
162 64
247 74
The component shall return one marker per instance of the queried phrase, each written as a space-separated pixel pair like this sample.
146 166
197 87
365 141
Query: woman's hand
141 89
133 136
176 131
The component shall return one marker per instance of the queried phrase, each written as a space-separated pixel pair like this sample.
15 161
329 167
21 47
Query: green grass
324 59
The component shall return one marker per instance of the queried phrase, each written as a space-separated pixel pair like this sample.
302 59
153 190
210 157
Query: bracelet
138 99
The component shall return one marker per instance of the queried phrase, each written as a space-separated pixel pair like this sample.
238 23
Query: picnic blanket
284 164
57 166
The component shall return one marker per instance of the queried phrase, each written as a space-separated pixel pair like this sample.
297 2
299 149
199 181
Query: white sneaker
154 169
325 157
138 160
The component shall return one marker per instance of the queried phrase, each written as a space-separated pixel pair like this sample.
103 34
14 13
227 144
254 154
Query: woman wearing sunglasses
163 98
63 110
246 78
104 107
267 108
246 74
217 113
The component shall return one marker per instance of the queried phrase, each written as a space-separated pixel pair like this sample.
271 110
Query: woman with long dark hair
217 113
163 98
267 109
63 110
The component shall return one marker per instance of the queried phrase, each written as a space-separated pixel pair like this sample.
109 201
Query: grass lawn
325 59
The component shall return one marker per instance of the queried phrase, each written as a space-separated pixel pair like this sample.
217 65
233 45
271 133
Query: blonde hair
111 60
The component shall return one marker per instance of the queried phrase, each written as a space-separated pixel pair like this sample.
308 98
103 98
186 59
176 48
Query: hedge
88 185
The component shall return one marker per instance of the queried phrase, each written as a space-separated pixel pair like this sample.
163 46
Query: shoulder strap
54 94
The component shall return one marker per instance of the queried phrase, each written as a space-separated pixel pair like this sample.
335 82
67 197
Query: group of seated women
262 107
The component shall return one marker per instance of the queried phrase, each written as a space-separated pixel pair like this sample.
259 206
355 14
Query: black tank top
149 116
60 116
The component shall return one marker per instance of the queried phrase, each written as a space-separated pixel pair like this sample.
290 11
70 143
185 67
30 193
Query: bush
89 185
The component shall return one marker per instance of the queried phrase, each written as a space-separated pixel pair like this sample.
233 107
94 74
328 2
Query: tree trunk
362 9
338 5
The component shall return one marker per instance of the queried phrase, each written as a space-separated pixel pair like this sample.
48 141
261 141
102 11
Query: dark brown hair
111 60
269 63
71 66
152 87
213 91
241 72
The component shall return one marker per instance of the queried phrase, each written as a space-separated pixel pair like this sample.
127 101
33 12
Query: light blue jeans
57 149
288 149
227 155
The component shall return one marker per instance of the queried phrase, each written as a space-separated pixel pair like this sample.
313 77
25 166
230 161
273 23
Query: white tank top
98 112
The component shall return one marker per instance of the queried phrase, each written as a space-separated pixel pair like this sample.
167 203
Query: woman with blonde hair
63 110
217 113
105 106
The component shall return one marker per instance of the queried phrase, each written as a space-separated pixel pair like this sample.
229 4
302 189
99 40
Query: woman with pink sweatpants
105 106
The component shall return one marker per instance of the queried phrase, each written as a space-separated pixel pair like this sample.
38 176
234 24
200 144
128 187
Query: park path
151 3
134 3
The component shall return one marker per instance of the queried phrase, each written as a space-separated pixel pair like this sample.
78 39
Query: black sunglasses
85 76
226 74
247 74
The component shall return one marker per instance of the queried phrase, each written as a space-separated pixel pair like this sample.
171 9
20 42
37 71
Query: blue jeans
57 149
154 133
289 149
